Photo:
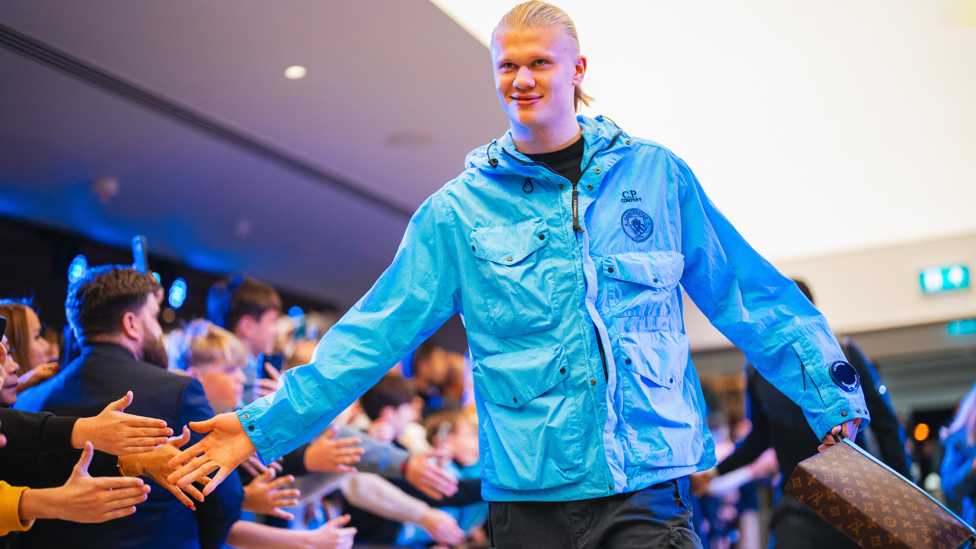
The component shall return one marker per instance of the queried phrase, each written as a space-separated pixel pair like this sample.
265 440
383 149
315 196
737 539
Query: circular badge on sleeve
845 376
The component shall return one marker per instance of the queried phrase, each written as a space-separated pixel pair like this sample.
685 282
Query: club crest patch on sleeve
637 224
845 376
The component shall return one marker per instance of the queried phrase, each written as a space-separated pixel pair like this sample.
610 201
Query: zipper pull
576 225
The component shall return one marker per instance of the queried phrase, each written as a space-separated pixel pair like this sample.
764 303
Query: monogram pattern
872 505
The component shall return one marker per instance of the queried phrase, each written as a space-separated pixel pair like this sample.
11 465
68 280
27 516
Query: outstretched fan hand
222 450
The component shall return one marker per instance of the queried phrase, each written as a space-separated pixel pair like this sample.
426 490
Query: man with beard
113 311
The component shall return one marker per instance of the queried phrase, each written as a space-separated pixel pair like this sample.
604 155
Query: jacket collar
107 349
500 157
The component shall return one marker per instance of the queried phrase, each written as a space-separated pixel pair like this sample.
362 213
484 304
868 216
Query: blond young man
566 244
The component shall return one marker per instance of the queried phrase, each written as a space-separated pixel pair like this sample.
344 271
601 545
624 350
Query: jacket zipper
603 356
576 226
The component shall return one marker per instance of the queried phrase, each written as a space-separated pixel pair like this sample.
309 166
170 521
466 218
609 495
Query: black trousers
658 516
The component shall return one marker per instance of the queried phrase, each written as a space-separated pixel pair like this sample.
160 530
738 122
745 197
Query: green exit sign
943 279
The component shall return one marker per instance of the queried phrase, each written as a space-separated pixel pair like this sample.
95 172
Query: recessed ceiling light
295 72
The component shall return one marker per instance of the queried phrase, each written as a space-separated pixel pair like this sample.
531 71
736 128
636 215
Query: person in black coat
113 312
779 423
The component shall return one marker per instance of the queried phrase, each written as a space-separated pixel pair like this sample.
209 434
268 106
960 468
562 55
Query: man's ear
580 70
245 327
131 327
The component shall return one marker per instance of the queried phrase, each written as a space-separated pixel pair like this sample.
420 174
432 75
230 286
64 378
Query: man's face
536 71
153 350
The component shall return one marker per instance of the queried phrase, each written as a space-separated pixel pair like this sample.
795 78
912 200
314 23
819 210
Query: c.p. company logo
629 196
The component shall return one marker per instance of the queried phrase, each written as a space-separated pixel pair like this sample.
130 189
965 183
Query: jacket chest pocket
642 283
515 294
530 436
661 419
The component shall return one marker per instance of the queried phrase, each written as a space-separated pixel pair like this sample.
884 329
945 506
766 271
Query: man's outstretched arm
763 313
417 293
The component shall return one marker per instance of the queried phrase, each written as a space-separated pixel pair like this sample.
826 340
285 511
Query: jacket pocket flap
513 379
659 357
509 244
654 269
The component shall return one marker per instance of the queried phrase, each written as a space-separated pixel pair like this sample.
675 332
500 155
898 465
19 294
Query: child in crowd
249 309
217 359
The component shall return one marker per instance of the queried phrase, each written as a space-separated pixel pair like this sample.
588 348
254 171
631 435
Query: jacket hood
597 132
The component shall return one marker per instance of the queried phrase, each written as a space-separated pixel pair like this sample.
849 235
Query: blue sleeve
417 293
222 508
958 479
761 311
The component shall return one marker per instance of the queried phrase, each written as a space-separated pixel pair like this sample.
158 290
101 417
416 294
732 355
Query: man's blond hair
540 14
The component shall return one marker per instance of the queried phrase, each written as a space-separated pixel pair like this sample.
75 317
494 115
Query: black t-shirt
567 162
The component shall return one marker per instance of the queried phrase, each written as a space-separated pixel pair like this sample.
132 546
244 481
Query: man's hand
268 385
263 495
154 465
226 447
331 455
442 527
433 481
848 429
83 498
120 434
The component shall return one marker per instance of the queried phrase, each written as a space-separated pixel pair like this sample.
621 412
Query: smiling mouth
521 100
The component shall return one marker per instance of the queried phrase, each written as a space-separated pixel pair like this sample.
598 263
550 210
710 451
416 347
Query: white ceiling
817 127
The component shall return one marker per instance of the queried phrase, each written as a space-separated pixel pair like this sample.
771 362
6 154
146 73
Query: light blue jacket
558 420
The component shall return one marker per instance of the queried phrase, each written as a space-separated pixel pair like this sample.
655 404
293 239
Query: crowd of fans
86 439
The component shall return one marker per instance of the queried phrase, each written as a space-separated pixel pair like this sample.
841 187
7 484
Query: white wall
869 290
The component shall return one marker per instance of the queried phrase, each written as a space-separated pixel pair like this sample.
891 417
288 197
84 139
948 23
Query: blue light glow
295 314
962 327
157 277
77 269
177 293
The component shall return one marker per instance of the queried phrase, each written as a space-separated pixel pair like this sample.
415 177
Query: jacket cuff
56 433
248 417
817 351
10 509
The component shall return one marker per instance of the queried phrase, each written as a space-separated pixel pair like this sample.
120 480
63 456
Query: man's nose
524 78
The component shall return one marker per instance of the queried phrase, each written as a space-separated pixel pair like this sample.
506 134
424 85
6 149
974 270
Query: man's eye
540 62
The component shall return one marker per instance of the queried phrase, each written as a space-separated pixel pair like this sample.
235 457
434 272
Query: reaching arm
762 312
417 293
331 535
112 431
